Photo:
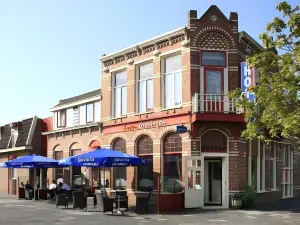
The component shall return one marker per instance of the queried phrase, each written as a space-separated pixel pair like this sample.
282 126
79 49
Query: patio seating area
115 202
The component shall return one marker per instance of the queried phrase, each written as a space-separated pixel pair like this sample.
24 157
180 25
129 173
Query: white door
194 182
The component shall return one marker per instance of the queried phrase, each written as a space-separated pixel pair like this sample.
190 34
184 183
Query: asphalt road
26 212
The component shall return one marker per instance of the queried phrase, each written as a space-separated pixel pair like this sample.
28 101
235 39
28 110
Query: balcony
215 107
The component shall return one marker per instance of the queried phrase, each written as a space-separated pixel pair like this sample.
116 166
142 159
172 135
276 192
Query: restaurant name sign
145 125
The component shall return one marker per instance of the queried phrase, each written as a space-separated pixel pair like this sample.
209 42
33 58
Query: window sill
261 192
120 117
143 113
287 197
175 107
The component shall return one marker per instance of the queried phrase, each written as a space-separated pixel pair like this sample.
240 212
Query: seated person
64 187
29 188
51 189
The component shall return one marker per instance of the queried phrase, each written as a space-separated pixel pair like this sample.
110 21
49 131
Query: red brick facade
214 125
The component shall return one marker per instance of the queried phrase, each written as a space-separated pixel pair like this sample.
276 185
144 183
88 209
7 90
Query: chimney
234 21
192 17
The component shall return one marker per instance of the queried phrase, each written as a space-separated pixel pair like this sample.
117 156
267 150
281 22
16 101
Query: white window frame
93 112
146 89
289 183
13 173
164 59
261 167
58 118
114 95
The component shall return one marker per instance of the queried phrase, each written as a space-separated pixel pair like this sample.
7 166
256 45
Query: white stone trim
31 130
16 149
158 38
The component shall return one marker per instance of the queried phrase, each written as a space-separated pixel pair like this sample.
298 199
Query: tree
278 89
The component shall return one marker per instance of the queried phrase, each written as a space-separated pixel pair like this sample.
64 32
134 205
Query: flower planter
236 202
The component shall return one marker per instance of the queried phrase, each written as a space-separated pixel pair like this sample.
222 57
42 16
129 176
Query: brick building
74 129
182 78
18 139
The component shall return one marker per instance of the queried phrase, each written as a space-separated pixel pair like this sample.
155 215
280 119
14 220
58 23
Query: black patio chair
79 200
62 200
142 204
121 196
104 204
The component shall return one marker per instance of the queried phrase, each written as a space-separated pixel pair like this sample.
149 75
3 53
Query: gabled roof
25 129
78 98
214 9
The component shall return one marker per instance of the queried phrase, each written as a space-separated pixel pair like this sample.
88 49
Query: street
26 212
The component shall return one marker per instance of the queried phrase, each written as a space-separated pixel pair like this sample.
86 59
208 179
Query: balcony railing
214 103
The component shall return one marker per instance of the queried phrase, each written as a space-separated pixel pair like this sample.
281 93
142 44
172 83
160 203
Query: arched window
58 172
172 148
75 170
145 172
119 180
213 141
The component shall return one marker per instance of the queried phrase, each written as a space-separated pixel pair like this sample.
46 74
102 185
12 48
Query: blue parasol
102 158
32 161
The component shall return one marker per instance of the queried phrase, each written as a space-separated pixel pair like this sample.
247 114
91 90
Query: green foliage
249 196
277 90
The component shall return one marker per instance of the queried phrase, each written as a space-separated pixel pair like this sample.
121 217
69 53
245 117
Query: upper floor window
210 58
61 118
173 81
90 112
78 115
120 94
145 86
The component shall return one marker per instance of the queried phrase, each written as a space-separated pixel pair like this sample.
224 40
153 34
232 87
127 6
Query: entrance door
215 182
194 182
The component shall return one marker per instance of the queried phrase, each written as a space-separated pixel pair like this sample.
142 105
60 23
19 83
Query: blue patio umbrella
102 158
32 161
3 165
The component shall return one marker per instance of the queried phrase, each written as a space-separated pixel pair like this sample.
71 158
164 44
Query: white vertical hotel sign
247 80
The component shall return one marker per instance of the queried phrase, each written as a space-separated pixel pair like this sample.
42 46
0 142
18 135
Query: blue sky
50 49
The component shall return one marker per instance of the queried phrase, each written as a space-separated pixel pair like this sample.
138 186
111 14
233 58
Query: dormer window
14 136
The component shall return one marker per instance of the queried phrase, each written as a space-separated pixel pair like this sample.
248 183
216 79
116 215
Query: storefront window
119 172
145 172
172 180
287 172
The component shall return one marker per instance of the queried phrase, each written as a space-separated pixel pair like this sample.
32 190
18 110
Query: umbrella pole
34 178
104 182
38 184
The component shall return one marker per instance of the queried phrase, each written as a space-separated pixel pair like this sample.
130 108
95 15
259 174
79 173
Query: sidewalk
4 195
